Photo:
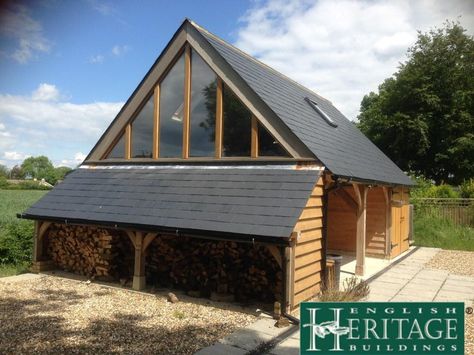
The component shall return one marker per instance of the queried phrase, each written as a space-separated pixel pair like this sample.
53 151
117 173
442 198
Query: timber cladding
342 221
376 238
308 249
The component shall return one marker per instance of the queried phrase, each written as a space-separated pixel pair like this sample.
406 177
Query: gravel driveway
49 314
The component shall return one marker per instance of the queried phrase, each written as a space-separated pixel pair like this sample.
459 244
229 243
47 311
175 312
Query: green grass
433 232
12 269
16 236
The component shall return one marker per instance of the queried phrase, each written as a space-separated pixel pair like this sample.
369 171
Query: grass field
439 233
15 235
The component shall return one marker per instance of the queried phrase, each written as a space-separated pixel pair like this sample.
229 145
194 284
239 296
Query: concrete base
139 283
43 265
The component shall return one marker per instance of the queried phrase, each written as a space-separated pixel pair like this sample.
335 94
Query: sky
67 67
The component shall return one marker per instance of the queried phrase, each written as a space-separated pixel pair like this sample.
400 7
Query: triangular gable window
218 123
118 151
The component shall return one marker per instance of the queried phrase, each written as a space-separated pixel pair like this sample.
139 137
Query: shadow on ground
26 327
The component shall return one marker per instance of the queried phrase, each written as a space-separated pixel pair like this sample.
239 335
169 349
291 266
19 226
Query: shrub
354 289
16 243
467 189
441 191
3 182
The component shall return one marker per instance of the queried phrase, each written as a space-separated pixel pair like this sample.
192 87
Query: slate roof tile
260 202
344 150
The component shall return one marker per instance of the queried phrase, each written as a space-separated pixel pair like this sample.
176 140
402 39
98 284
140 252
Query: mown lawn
439 233
16 236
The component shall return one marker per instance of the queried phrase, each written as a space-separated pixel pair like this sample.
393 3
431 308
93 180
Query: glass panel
118 151
269 146
203 108
142 132
171 111
236 126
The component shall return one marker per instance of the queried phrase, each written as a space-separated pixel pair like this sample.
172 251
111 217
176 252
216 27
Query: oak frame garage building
215 146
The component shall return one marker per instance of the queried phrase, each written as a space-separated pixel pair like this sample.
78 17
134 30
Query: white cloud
58 129
96 59
13 156
46 92
118 50
342 49
78 159
16 23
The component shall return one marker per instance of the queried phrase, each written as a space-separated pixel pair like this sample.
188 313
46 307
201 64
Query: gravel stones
455 261
57 315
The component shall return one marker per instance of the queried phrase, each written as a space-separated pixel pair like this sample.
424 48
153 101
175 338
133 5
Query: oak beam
219 119
254 138
156 123
276 254
187 100
347 198
128 141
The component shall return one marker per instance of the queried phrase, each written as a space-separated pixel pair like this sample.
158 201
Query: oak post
40 259
140 243
361 194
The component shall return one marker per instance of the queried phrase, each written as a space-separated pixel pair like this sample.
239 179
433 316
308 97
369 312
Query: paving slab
261 331
416 286
221 349
432 275
290 346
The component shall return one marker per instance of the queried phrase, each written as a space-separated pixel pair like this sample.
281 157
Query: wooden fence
460 211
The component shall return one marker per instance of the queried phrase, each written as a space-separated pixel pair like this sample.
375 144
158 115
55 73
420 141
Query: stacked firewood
84 250
200 267
205 267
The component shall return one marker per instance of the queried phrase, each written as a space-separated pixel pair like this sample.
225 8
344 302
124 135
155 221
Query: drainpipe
284 262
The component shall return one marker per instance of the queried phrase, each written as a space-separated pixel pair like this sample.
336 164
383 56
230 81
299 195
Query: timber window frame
186 50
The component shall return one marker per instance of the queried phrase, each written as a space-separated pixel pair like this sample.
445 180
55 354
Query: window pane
236 126
269 146
118 151
203 108
142 132
171 111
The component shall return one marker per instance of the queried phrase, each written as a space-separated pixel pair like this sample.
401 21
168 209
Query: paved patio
408 280
372 265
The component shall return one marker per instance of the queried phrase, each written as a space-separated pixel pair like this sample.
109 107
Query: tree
39 168
4 172
423 116
60 172
16 173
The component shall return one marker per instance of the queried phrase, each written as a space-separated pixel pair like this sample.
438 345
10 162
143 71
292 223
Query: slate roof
257 202
344 150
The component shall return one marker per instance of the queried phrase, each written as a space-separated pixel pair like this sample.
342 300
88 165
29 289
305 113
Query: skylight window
320 111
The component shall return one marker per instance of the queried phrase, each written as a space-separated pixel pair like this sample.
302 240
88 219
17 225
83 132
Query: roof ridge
200 28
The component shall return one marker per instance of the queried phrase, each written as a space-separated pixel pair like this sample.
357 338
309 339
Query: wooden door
396 231
404 228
